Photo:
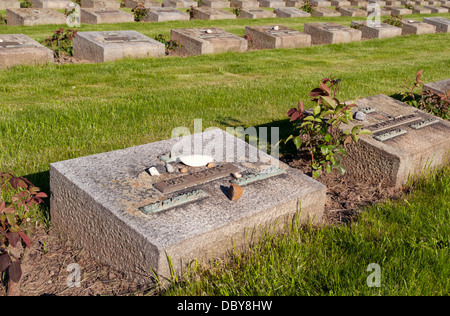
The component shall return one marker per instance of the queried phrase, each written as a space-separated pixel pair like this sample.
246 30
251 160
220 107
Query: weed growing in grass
307 6
61 42
18 200
26 4
395 20
170 45
2 19
320 132
140 12
192 12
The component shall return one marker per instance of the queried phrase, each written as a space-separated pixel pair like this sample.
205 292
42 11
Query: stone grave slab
410 26
51 4
272 3
442 24
420 10
109 4
320 3
165 14
359 3
216 4
331 33
9 4
147 3
34 16
19 49
340 3
135 227
199 41
180 3
396 10
325 12
108 46
350 11
442 86
103 15
294 3
436 9
393 3
405 141
279 36
256 14
380 2
206 13
384 30
290 12
447 6
245 4
433 2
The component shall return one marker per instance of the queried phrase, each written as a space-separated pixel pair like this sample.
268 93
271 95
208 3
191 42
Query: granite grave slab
340 3
397 10
350 11
165 14
216 4
320 3
199 41
206 13
9 4
108 46
405 141
245 4
147 3
104 15
256 14
331 33
410 26
278 36
135 227
51 4
442 86
109 4
327 12
272 3
442 24
180 3
420 10
19 49
290 12
383 30
33 16
436 9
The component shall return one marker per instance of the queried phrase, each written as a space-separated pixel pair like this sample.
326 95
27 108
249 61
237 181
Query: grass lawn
56 112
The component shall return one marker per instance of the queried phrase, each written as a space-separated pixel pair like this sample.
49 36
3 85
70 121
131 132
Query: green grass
409 240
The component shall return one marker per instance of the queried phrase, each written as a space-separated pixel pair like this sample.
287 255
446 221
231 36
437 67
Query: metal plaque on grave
393 123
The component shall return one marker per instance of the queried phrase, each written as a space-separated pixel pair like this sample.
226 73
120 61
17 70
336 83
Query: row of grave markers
108 46
103 11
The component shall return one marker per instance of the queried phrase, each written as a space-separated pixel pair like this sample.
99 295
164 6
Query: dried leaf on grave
5 262
15 271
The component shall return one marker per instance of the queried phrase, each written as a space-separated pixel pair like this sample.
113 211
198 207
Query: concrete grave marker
420 10
340 3
19 49
256 14
51 4
206 13
180 3
320 3
135 227
290 12
147 3
109 4
198 41
396 10
435 9
165 14
101 15
271 37
393 3
350 11
410 26
108 46
405 141
442 86
272 3
331 33
442 24
245 4
30 17
384 30
327 12
9 4
294 3
359 3
216 4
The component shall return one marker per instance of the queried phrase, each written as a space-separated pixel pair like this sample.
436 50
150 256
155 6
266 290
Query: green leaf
327 138
365 131
316 110
316 174
329 101
328 168
297 142
355 129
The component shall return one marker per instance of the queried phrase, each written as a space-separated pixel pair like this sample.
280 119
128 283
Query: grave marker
30 17
271 37
340 3
290 12
420 10
101 15
19 49
256 14
410 26
405 141
108 46
51 4
331 33
384 30
350 11
109 4
206 13
320 3
9 4
272 3
442 86
216 4
435 9
147 3
396 10
135 228
165 14
442 24
179 4
325 12
245 4
198 41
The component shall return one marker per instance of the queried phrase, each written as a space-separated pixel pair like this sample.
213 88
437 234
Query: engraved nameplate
395 122
252 177
196 178
174 201
424 123
10 44
389 135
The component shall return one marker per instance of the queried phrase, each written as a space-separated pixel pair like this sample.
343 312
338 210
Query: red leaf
9 210
25 238
419 75
22 184
300 106
14 238
41 195
13 182
2 206
325 88
291 111
15 271
295 116
5 262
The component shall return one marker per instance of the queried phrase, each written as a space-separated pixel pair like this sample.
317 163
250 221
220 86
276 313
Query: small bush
394 20
26 4
169 44
140 12
61 42
307 6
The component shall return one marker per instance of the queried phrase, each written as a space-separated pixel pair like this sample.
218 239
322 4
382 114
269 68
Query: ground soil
45 264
